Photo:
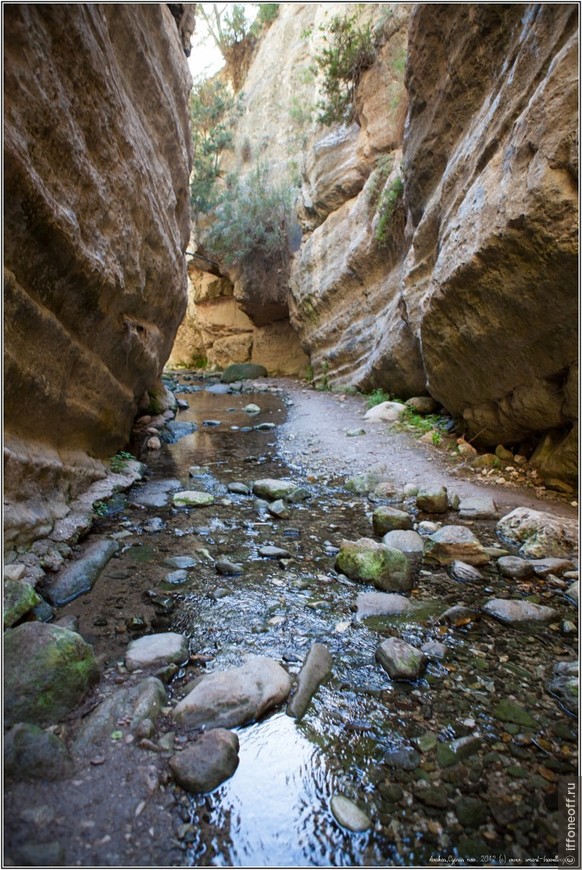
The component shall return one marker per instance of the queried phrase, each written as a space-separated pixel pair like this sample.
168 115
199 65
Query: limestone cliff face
97 155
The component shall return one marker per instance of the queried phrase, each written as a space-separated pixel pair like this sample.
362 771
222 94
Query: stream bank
462 761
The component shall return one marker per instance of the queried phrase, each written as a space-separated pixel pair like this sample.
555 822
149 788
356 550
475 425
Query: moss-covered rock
19 598
243 371
368 561
47 671
388 519
31 753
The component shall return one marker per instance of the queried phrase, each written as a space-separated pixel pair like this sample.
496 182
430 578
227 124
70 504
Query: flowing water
360 734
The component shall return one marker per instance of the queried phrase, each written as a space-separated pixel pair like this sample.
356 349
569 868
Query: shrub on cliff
252 218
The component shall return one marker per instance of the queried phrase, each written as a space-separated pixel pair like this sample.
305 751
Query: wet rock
252 409
459 615
153 443
366 560
272 490
210 424
509 711
426 742
192 498
198 470
227 568
218 389
387 519
206 763
401 660
383 604
181 562
478 508
471 812
47 670
155 524
404 758
465 573
408 542
226 699
14 572
270 552
348 815
176 578
543 567
455 542
155 650
131 705
40 854
19 598
177 429
516 611
154 494
433 501
239 488
82 574
451 753
573 591
242 372
434 649
361 484
298 495
564 685
31 753
384 412
264 427
278 509
431 795
539 534
515 568
315 669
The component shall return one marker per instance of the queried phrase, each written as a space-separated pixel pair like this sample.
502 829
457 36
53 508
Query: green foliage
213 110
348 52
376 397
389 210
267 14
300 113
252 218
119 461
227 23
399 63
422 424
379 177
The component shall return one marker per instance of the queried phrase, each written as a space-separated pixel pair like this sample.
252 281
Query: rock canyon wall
468 291
96 223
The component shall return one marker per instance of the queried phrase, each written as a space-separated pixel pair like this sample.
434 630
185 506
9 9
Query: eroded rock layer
97 155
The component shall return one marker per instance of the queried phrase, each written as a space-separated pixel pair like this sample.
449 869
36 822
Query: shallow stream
374 740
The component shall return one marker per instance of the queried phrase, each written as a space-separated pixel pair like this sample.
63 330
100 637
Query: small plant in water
376 397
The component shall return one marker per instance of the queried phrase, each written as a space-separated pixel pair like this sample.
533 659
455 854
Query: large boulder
207 762
225 699
81 575
47 671
368 561
539 534
452 543
157 650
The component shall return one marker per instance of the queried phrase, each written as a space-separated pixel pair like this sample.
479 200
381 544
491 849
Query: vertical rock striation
97 156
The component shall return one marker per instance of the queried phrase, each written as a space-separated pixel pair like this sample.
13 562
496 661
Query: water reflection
274 812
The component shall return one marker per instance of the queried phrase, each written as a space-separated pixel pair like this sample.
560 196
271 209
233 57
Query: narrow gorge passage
478 734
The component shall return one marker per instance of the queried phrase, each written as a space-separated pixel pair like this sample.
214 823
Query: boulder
453 543
154 494
383 604
348 815
433 501
408 542
81 575
515 568
226 699
156 650
192 498
273 490
19 598
31 753
538 534
385 412
315 669
368 561
207 762
401 660
515 611
387 519
47 671
242 372
478 508
422 405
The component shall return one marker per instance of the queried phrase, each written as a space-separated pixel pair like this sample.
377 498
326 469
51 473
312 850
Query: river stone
431 795
270 552
543 567
154 494
471 812
366 560
383 604
433 501
278 509
81 575
239 488
176 578
132 705
405 758
465 573
478 508
227 568
457 750
31 753
181 562
177 429
365 482
272 490
252 409
422 404
203 765
156 650
509 711
573 591
242 372
564 685
515 568
455 542
401 660
387 519
19 598
459 615
192 498
434 649
408 542
385 412
539 534
226 699
348 815
516 611
47 670
315 669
